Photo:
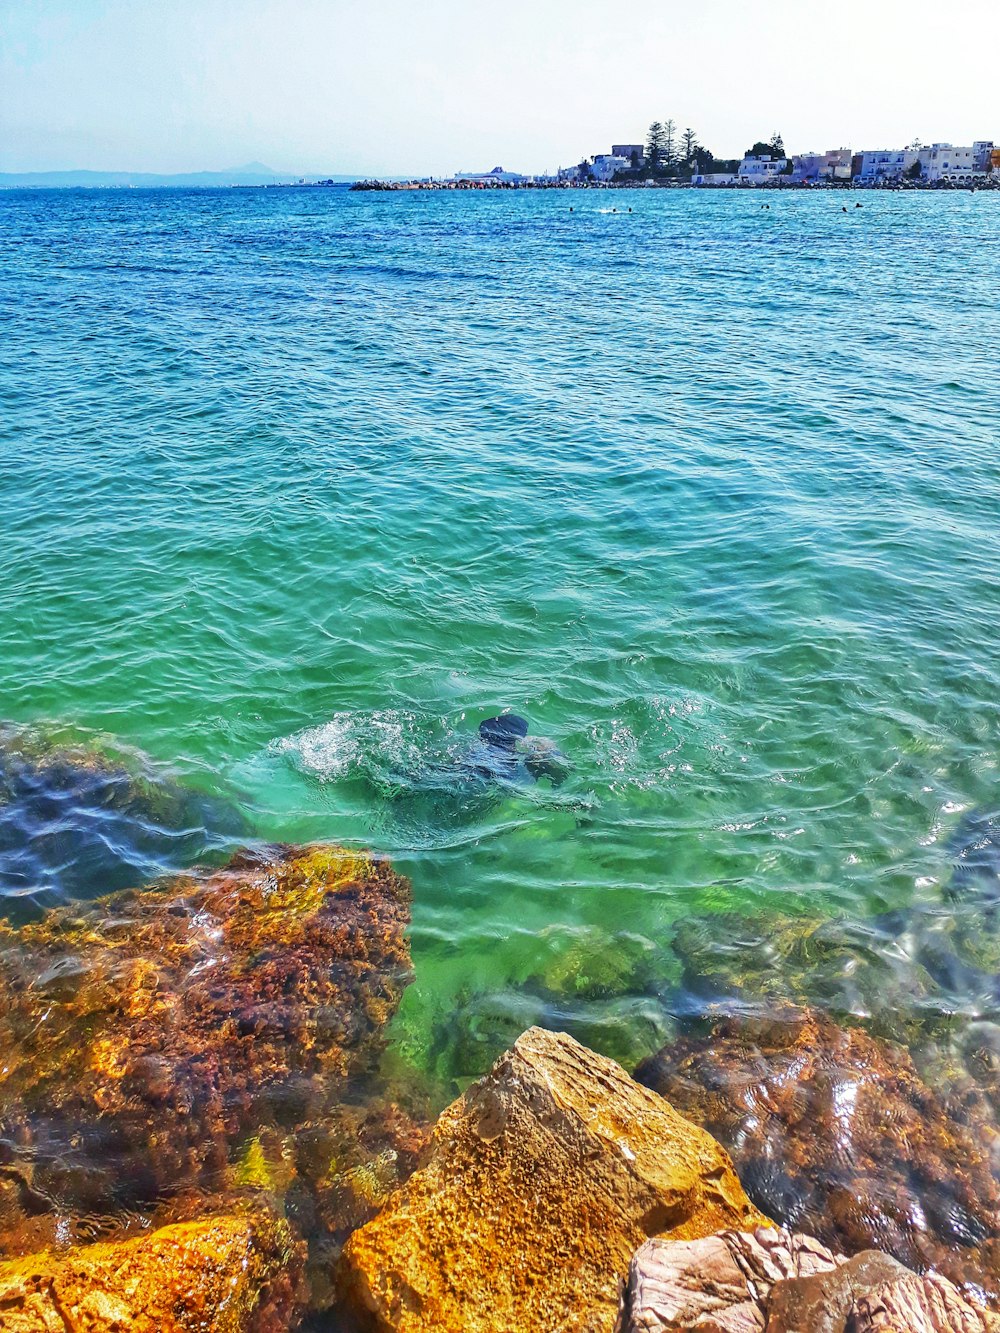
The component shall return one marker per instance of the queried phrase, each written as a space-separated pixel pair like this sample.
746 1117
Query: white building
833 165
887 164
713 178
758 170
605 165
944 162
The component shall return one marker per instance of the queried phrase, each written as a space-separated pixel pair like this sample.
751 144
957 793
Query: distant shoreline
375 186
488 187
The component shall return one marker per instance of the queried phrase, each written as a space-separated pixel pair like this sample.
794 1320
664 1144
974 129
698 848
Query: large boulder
227 1274
834 1133
771 1281
542 1181
159 1039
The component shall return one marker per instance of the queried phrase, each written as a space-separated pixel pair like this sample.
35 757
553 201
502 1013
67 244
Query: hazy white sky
408 86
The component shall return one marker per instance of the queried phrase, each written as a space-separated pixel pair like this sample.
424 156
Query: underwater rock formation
849 969
151 1039
834 1133
600 987
78 817
975 847
772 1281
542 1181
228 1274
345 1167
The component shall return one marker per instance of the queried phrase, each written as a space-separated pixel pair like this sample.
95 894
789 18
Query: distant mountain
254 173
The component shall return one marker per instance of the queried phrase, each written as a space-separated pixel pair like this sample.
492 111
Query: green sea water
299 485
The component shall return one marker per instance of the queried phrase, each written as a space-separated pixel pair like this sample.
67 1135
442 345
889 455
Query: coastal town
670 158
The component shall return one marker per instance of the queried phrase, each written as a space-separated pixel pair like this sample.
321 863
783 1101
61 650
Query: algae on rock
854 970
151 1037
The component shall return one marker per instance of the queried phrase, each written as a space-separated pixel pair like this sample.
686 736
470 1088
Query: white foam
380 741
326 751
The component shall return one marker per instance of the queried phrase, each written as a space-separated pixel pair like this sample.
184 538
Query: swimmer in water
505 747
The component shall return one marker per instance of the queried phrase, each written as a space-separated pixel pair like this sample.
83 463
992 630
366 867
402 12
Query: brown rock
771 1281
834 1133
542 1181
873 1292
149 1039
718 1284
224 1274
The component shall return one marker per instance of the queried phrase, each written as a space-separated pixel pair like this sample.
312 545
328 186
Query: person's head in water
508 734
503 732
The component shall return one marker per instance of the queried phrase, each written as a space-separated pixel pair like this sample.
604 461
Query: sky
380 87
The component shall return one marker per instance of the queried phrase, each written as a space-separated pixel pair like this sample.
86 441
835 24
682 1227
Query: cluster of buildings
940 163
934 164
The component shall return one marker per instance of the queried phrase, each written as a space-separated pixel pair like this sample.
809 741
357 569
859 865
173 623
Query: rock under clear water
211 1034
835 1134
80 816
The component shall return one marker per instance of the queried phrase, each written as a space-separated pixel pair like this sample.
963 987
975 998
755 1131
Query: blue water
299 485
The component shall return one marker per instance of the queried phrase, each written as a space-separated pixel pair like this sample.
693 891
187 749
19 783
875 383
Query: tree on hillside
655 144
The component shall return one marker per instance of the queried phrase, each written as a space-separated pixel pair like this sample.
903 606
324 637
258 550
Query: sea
299 485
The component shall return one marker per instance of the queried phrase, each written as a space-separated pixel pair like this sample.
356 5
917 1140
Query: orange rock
542 1181
224 1274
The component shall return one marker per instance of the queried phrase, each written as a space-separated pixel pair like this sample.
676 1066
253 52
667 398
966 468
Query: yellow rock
543 1180
219 1275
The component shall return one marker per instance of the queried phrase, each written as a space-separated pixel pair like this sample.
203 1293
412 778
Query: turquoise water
299 485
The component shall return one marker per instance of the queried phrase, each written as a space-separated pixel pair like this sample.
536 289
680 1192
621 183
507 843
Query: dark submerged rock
505 746
855 970
78 817
975 848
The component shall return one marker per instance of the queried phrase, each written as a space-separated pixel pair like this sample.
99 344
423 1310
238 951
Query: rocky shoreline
557 1193
199 1130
